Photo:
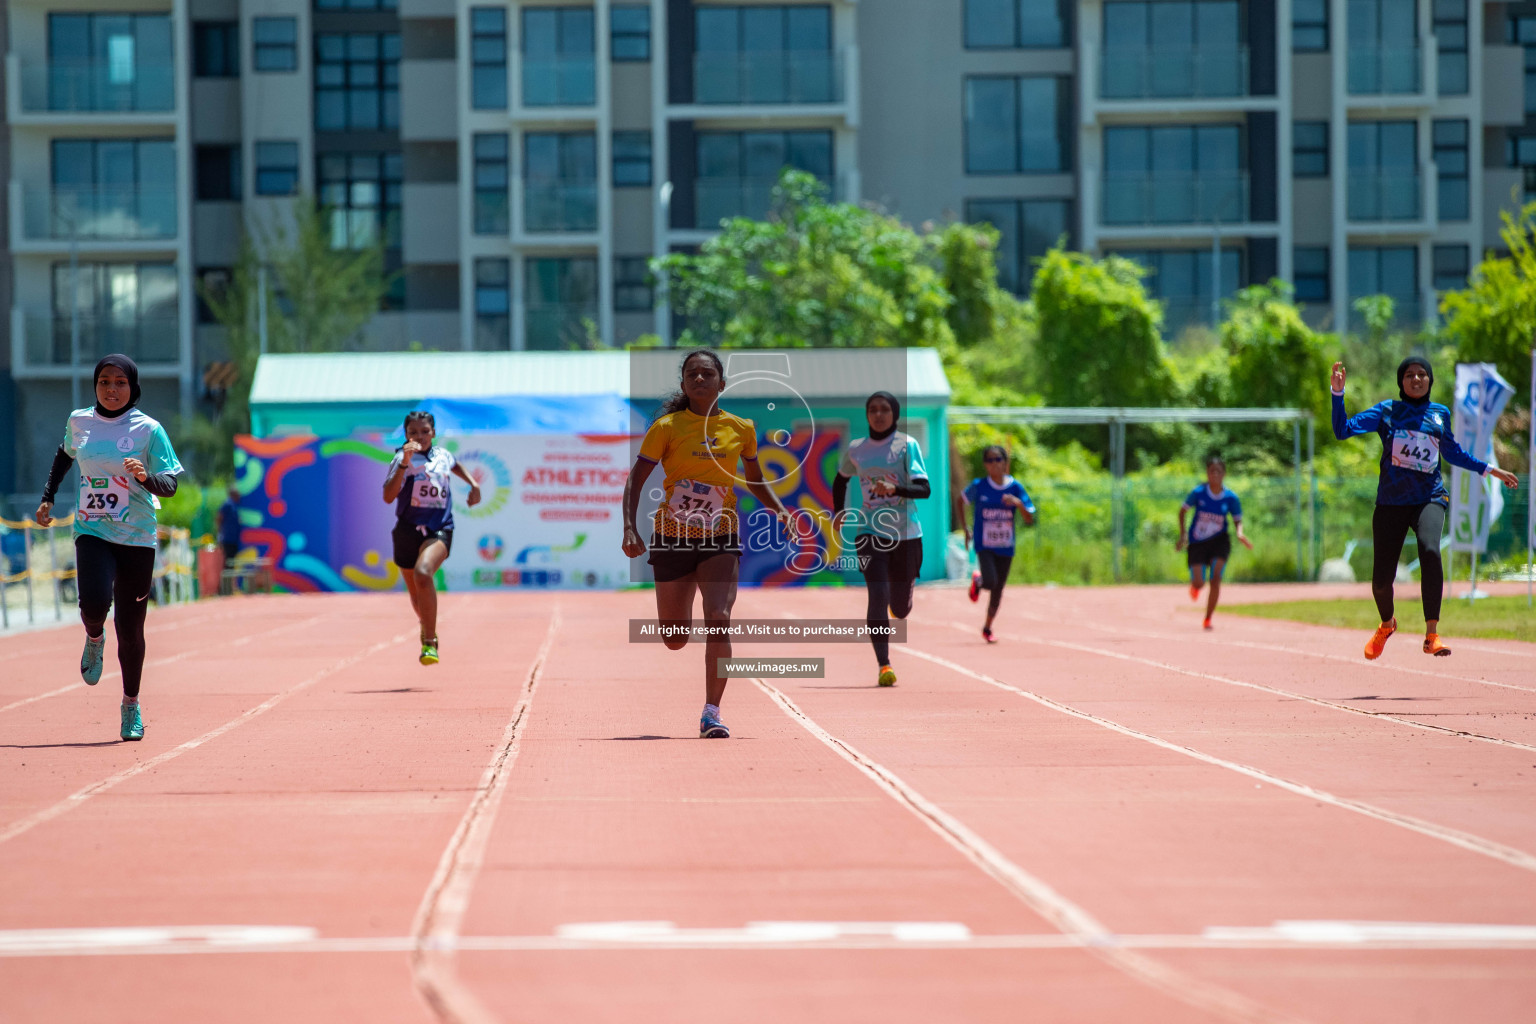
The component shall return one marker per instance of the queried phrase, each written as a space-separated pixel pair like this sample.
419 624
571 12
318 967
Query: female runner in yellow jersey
696 544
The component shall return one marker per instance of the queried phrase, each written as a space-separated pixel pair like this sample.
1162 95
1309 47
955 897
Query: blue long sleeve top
1415 436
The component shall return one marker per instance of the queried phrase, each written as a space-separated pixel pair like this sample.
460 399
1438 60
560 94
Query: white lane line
1072 920
79 797
1343 936
115 673
435 930
1456 837
1229 681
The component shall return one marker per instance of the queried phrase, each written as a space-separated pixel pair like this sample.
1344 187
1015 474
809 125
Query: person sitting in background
229 526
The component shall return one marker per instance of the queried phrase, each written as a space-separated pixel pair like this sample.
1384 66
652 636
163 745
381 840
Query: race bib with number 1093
1415 450
997 532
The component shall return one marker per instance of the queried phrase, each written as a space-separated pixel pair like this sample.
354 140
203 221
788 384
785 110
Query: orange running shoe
1432 645
1208 622
1378 640
1194 592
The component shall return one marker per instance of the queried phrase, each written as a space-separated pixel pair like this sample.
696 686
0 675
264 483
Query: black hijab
895 415
130 370
1402 368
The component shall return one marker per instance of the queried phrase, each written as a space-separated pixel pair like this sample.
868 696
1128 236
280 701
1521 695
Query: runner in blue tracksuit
1207 539
1415 435
993 499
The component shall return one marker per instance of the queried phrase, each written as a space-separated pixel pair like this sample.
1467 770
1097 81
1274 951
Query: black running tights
109 573
890 573
1389 528
994 576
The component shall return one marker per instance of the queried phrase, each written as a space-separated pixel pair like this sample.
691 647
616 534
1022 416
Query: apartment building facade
521 161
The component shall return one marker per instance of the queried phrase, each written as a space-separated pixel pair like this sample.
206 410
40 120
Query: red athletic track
1088 798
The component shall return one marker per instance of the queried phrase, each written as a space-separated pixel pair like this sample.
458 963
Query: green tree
1494 319
1099 334
823 275
1275 361
318 298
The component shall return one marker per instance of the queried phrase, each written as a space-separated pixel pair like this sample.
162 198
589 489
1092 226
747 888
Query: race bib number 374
1415 450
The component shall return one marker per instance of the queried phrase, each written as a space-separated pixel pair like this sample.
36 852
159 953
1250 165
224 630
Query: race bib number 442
103 497
1415 450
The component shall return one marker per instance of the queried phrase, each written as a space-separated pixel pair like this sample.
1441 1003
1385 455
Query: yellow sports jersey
701 457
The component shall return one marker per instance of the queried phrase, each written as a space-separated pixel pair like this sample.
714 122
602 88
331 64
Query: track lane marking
435 930
1456 837
1229 681
80 796
1076 923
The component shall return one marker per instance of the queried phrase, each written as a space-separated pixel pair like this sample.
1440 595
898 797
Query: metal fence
37 570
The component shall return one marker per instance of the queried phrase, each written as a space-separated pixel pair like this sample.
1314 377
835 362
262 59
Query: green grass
1492 618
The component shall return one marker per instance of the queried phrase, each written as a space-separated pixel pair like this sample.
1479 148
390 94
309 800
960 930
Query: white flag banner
1481 395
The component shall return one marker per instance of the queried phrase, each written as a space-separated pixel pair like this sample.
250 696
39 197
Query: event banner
1481 395
549 514
549 517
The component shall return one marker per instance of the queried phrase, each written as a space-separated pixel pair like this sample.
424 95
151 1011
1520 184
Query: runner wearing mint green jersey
126 465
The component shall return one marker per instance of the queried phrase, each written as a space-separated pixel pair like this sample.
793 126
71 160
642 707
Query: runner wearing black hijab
889 541
1415 435
126 465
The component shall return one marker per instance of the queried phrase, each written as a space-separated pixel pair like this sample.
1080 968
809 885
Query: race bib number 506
1415 450
429 493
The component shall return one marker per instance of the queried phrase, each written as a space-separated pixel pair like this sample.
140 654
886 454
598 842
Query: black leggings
994 576
890 573
1389 528
108 573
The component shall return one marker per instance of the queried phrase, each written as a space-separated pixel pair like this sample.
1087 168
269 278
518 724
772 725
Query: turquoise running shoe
91 658
133 723
711 728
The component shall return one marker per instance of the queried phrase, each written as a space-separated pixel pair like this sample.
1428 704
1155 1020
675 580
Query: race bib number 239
103 497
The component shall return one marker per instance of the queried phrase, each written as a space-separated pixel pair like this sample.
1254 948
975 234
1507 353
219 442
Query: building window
1392 271
275 44
119 307
737 171
631 39
361 194
216 49
357 82
1311 274
632 288
1452 264
108 62
356 5
113 188
1014 24
1028 229
561 295
277 168
1451 168
1309 149
1451 40
1173 48
559 68
493 305
1384 48
1180 279
1383 171
218 172
492 182
1522 154
1174 174
560 181
631 159
488 49
212 282
1309 25
1522 32
1016 125
764 55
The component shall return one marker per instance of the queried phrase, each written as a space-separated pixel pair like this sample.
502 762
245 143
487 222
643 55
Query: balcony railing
97 87
1135 200
1385 196
719 199
767 77
151 338
566 82
1137 73
100 213
566 325
560 208
1386 70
